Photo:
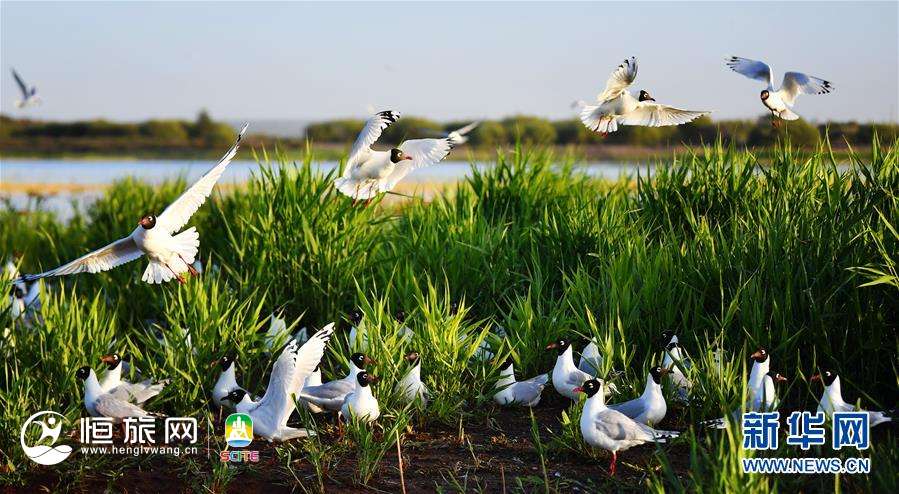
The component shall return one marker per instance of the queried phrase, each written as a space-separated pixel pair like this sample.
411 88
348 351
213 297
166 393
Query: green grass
798 256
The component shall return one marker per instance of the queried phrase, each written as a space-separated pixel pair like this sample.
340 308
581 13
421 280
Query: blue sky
441 60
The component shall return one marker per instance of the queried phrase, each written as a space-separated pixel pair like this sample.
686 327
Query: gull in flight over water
171 255
369 172
617 106
779 101
29 95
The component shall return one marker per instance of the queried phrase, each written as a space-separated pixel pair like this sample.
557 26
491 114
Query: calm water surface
101 172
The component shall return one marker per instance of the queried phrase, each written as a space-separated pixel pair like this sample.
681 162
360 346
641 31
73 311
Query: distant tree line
532 129
202 132
206 133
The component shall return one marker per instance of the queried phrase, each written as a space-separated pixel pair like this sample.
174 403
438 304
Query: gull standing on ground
136 393
170 255
29 95
330 395
361 403
99 403
611 430
779 102
617 106
832 399
650 408
566 377
270 413
368 172
511 392
410 387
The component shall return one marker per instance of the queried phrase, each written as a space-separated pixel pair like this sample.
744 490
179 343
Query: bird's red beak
815 378
407 158
369 361
552 346
578 389
780 379
373 379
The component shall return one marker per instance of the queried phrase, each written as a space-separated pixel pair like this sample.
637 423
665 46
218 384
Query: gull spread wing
459 135
655 115
424 152
21 83
623 77
114 254
369 135
289 372
179 212
752 69
795 83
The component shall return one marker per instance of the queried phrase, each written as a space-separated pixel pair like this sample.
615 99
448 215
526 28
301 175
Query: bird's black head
83 373
112 360
506 364
559 345
226 361
777 377
413 357
148 221
454 308
364 378
355 316
765 94
397 155
666 337
760 355
400 316
827 377
235 396
590 388
644 96
17 292
360 360
657 373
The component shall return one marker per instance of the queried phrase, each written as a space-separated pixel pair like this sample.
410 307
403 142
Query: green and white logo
238 430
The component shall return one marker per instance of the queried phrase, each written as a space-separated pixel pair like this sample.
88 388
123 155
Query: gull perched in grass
226 382
760 390
832 399
779 101
650 407
566 377
330 395
410 387
612 430
25 302
100 403
271 412
511 392
29 94
170 255
617 106
369 172
136 393
361 403
674 359
591 360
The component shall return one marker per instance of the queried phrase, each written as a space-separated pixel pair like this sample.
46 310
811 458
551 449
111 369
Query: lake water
93 174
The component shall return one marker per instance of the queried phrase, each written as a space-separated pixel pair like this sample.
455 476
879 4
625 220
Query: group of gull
296 375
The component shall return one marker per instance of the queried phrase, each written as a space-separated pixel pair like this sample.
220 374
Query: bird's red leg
190 268
613 464
177 276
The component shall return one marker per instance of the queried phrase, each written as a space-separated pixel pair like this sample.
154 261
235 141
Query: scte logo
45 454
241 456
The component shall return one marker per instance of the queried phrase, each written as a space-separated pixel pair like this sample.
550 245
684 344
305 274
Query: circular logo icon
51 426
